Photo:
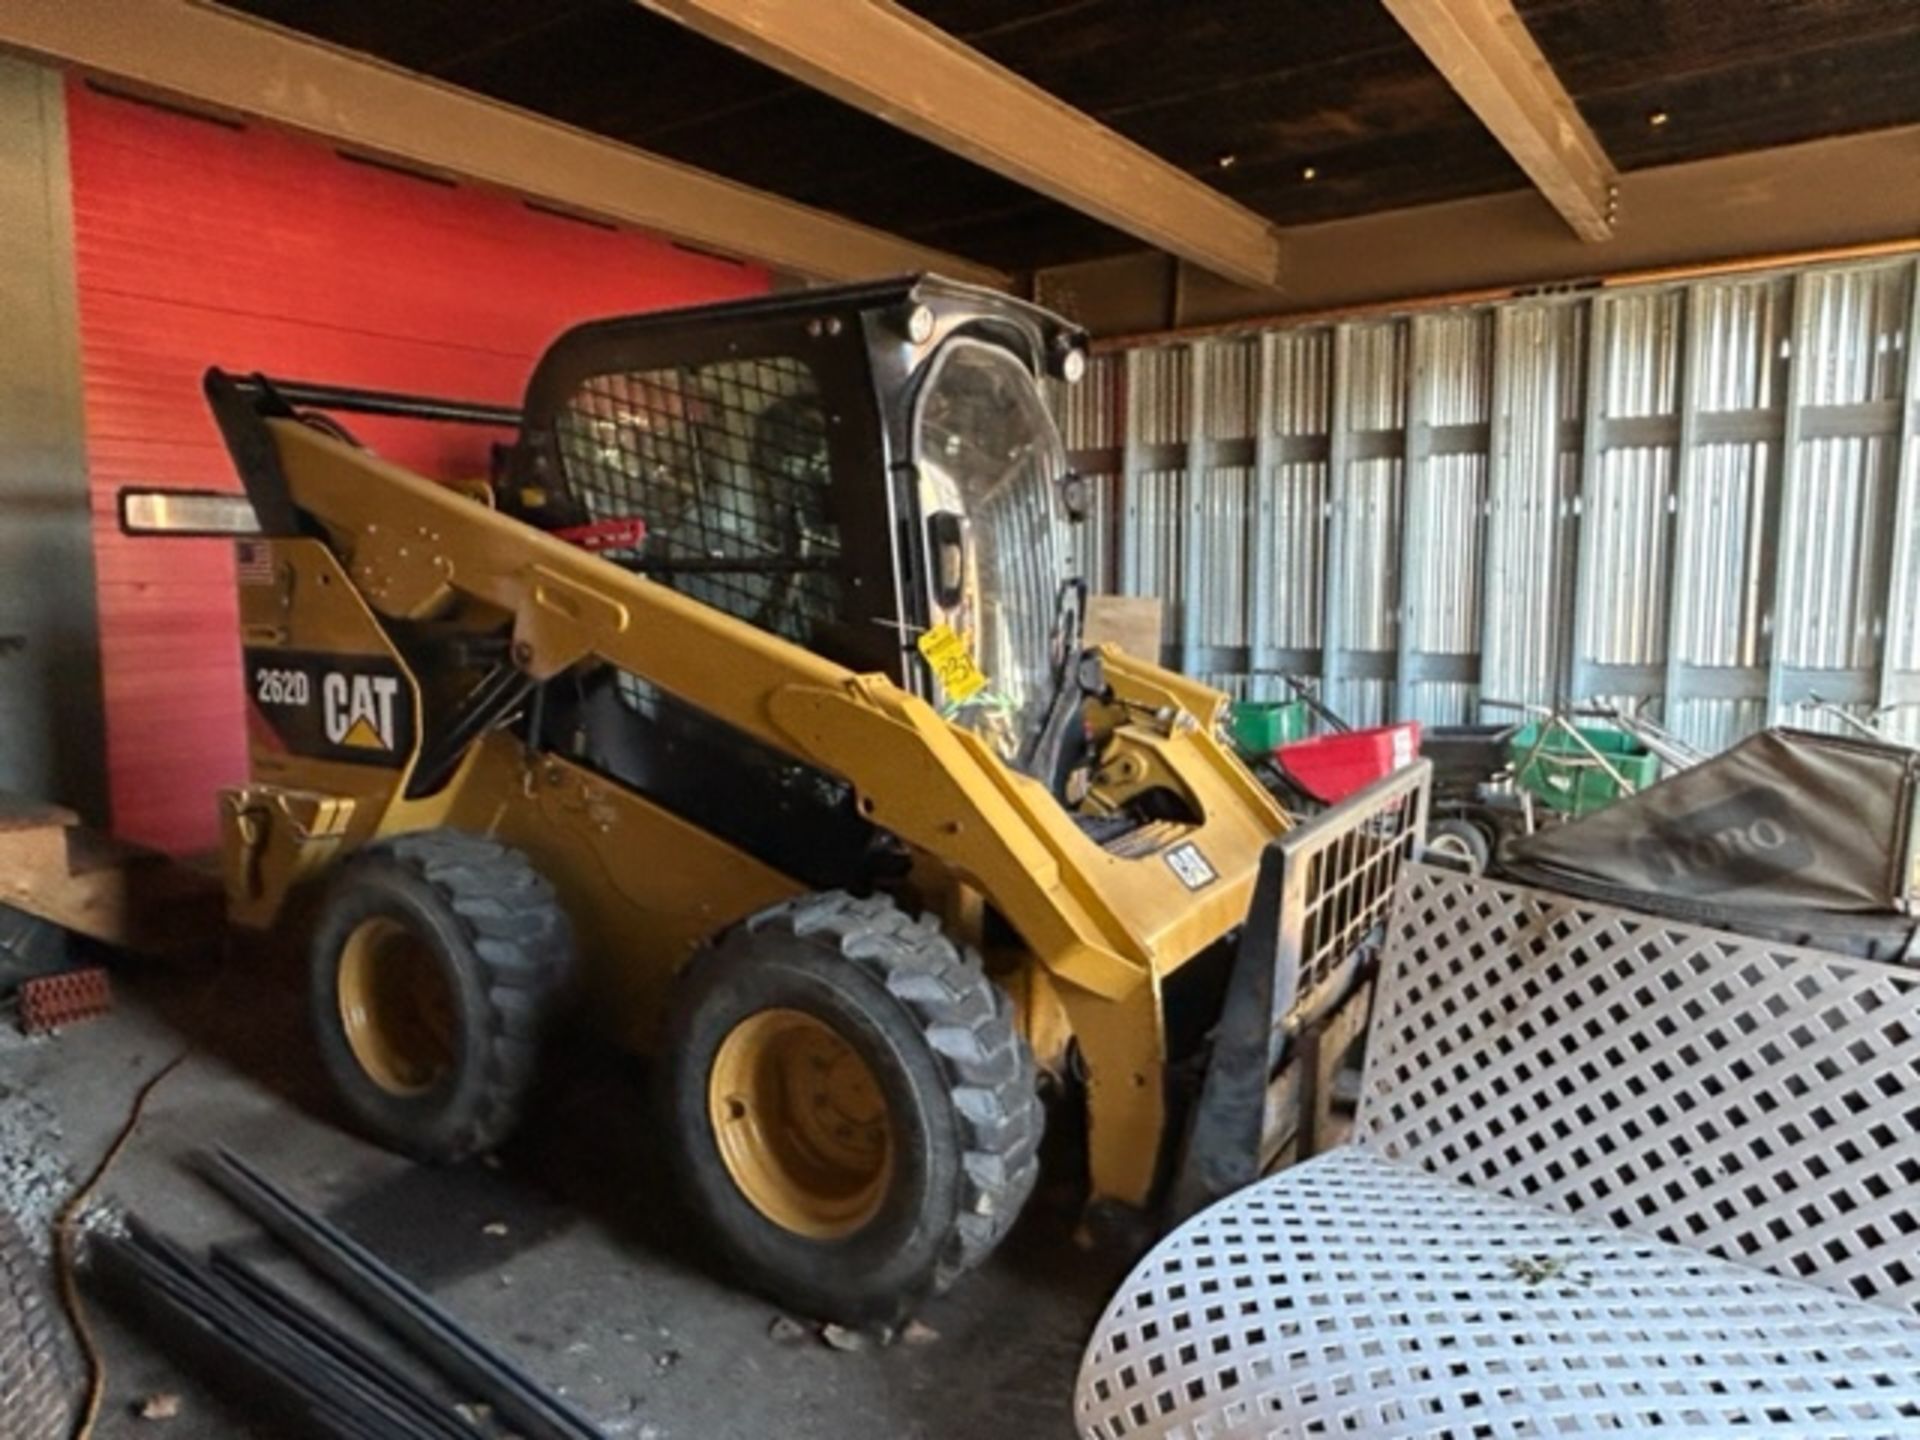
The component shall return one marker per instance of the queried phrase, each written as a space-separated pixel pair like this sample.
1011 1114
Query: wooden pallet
127 896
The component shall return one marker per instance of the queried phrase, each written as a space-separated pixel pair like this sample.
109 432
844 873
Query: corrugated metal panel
1303 382
1640 353
1089 412
1151 536
1456 367
1741 343
1089 547
1224 506
1089 415
1376 382
1232 378
1372 538
1298 541
1446 505
1375 399
1302 405
1537 369
1627 500
1855 321
1158 388
1721 613
1361 702
1709 523
1448 617
1625 518
198 244
1832 587
1738 354
1225 518
1900 667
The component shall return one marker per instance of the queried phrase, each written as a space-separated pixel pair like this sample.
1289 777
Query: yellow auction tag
952 666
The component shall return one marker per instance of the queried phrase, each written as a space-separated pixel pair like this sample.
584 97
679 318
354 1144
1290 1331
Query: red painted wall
197 244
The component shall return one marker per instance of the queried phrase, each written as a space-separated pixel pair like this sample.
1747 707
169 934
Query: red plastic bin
1328 768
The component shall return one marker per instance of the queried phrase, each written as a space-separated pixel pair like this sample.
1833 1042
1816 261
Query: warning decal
952 663
1186 861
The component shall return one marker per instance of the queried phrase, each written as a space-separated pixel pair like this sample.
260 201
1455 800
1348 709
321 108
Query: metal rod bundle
475 1367
324 1387
314 1376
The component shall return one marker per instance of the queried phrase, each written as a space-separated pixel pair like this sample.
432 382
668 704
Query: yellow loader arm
412 545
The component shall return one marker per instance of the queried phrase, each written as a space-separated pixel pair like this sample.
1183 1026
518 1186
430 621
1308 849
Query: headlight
1073 366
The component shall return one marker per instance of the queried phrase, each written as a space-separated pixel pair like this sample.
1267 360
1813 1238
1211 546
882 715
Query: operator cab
869 471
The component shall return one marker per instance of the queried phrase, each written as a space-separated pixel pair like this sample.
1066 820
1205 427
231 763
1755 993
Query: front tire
852 1115
437 960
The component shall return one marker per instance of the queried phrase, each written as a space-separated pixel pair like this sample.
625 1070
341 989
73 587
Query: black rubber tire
958 1079
1471 841
36 1396
493 924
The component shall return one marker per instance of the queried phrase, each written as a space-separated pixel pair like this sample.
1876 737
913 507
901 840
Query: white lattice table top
1735 1096
1358 1296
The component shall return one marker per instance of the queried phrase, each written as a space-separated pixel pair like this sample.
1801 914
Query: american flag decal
253 562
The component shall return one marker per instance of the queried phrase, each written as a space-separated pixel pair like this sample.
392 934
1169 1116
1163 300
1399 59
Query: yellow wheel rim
801 1124
396 1007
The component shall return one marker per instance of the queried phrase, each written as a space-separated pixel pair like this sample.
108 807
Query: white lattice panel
1355 1296
1755 1101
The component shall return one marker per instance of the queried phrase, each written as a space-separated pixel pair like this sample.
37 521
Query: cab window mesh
727 464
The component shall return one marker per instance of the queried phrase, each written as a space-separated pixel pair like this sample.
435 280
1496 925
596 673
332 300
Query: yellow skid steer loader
744 708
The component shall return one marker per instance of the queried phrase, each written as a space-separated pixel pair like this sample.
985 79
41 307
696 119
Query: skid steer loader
744 708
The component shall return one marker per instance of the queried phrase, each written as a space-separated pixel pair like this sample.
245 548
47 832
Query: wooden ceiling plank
215 58
1486 53
881 59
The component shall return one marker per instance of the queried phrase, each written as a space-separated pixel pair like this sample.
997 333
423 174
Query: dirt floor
565 1251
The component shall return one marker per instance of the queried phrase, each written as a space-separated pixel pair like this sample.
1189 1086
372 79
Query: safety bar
355 400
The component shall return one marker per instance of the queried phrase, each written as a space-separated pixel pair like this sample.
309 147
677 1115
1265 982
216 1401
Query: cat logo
353 708
358 710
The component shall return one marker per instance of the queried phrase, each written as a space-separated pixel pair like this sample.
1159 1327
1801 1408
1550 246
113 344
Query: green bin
1260 727
1565 776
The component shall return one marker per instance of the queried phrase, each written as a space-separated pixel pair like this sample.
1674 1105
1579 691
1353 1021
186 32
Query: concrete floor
592 1285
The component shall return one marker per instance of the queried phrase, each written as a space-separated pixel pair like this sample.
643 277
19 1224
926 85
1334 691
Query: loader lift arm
412 546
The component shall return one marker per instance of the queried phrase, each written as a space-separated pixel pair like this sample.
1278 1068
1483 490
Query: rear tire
920 1074
437 960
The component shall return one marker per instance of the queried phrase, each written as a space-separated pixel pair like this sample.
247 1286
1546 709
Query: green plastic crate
1261 726
1564 776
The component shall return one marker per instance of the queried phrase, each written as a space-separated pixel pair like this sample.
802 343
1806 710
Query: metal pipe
314 1330
353 400
193 1316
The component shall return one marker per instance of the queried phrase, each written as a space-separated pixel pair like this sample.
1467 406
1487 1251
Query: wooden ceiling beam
1486 53
232 64
881 59
1790 204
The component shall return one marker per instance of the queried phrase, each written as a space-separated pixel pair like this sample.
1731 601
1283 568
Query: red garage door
199 244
